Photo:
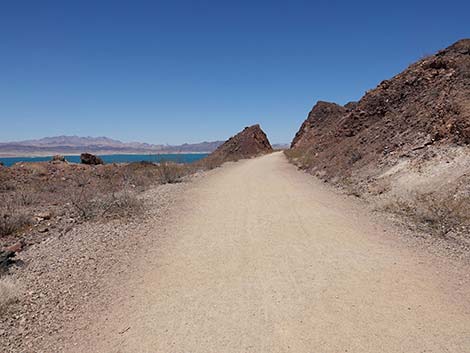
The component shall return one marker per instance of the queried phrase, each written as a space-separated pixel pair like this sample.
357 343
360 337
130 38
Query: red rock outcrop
322 115
250 142
428 103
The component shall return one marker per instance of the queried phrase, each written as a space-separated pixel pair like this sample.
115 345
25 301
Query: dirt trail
266 259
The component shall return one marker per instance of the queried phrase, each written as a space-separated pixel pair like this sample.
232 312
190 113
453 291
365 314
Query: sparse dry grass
12 217
437 212
82 192
89 204
299 157
73 190
8 293
204 164
208 163
115 193
170 172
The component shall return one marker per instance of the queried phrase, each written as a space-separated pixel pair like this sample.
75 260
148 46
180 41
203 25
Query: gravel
70 274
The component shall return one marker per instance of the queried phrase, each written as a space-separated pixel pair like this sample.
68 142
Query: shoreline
183 158
104 153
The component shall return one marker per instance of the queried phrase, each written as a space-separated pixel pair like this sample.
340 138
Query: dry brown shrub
5 183
170 172
27 197
79 191
141 174
207 163
90 201
299 157
12 217
440 213
120 204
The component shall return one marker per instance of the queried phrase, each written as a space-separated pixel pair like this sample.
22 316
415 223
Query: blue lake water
115 158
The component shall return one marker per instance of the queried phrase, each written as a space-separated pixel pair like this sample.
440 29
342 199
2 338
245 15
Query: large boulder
58 158
91 159
250 142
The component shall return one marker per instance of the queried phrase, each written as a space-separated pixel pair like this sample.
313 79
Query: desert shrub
7 186
170 172
299 157
90 202
293 153
141 174
6 183
8 293
12 217
122 203
27 197
82 199
207 163
85 205
440 213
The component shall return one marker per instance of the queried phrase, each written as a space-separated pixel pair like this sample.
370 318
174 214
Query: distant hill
194 147
280 146
98 145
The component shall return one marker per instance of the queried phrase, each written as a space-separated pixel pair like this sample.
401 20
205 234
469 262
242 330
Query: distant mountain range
97 145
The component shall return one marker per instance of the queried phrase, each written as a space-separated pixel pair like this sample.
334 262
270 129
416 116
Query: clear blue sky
187 71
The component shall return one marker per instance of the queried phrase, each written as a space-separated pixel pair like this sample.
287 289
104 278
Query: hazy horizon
133 141
189 72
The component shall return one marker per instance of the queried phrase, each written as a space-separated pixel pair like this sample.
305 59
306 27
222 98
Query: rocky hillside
321 117
250 142
428 103
405 136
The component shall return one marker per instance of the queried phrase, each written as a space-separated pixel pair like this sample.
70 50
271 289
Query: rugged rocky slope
427 103
250 142
405 137
320 118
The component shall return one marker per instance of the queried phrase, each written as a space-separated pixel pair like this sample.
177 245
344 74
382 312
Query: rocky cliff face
428 103
250 142
322 115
